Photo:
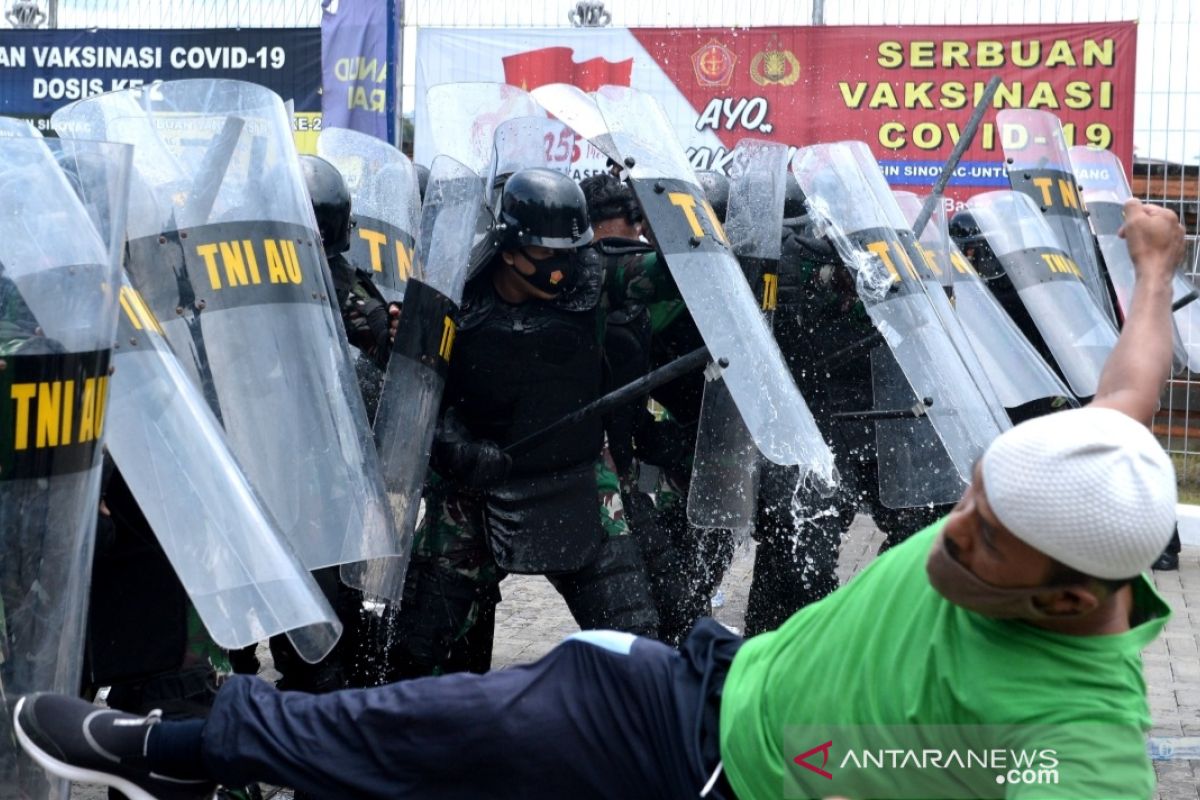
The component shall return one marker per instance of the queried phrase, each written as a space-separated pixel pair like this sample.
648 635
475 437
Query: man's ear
1069 601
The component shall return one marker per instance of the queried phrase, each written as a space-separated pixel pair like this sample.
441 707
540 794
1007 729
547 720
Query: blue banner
925 173
355 55
42 70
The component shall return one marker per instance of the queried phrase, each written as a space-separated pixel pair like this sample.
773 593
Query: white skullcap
1090 487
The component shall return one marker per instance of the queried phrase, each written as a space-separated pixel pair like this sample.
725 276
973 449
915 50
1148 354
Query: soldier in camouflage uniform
528 351
652 328
818 322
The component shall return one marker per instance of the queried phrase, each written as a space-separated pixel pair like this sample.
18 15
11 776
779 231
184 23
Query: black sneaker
73 739
1169 560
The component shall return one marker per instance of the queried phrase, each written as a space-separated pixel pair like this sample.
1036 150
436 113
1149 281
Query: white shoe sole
70 772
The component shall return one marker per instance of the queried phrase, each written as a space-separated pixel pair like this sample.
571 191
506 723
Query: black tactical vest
518 368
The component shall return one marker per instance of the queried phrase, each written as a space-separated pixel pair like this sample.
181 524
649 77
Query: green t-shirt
886 663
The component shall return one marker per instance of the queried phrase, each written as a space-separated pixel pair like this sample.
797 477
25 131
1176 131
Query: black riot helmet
330 200
422 179
543 208
793 198
716 190
965 232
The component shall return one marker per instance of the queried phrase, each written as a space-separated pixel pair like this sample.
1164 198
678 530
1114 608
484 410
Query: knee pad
612 590
438 606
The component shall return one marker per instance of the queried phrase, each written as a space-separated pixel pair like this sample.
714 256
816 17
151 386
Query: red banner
906 91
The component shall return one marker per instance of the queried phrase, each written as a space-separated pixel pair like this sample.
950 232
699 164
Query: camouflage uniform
18 327
453 571
686 563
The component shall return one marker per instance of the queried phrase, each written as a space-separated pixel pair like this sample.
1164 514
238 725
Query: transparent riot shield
11 127
927 271
464 117
577 109
865 234
58 304
243 579
224 250
938 228
914 468
385 201
724 487
416 372
1015 370
723 490
712 284
1039 167
1187 322
1050 285
1105 190
528 142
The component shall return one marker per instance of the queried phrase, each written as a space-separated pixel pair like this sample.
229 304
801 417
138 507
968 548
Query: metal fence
1167 100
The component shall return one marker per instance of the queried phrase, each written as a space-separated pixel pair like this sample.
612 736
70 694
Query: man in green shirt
994 654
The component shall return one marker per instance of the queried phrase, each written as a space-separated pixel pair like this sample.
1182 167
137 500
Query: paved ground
533 618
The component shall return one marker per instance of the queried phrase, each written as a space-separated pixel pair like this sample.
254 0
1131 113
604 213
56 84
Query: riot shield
893 292
228 552
1105 190
385 202
927 271
723 490
224 250
578 110
243 579
1040 168
939 228
914 468
1015 370
1050 285
11 127
464 117
416 372
57 318
724 486
1187 323
528 142
711 283
757 189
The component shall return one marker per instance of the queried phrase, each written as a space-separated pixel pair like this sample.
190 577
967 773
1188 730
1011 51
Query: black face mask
551 275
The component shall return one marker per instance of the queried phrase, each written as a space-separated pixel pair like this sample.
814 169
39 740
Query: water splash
872 279
805 516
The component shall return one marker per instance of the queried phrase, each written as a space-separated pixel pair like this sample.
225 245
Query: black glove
366 322
664 443
819 250
474 463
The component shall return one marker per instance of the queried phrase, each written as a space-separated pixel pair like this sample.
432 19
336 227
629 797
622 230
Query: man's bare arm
1138 367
